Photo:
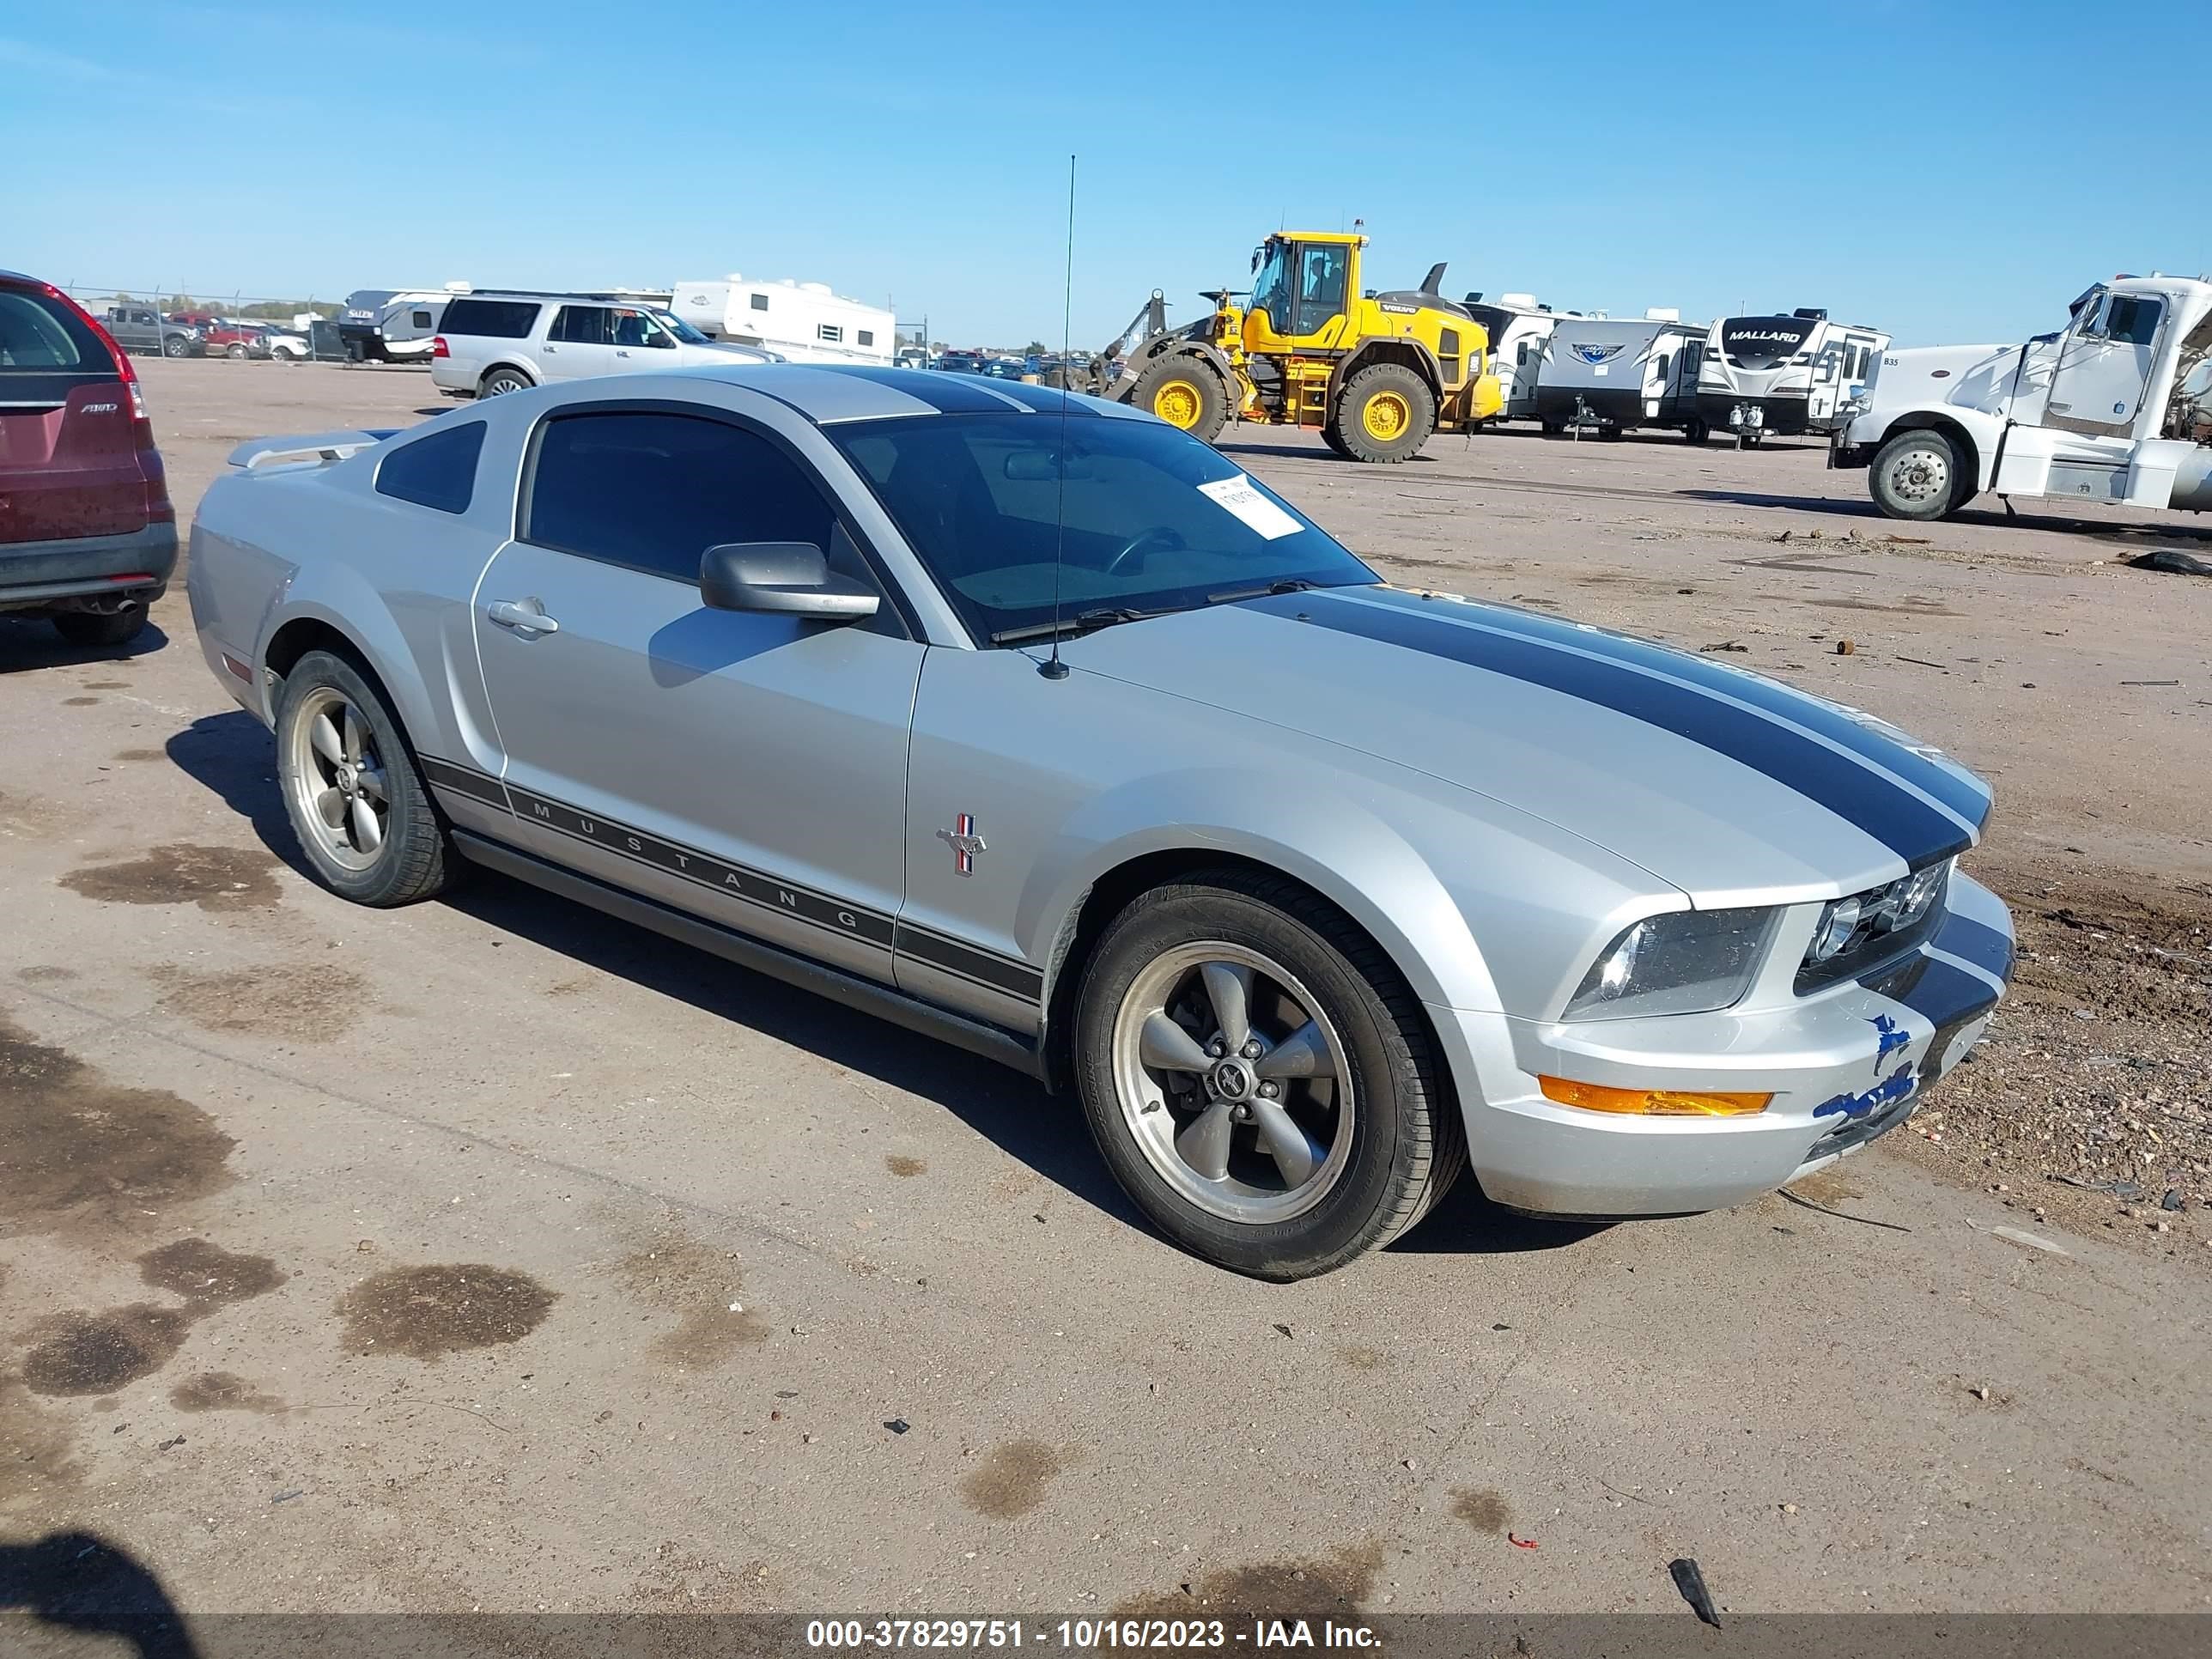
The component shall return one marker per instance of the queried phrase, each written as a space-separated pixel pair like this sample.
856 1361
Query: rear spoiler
321 447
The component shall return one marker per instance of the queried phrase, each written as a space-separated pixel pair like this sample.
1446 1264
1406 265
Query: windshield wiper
1288 585
1083 621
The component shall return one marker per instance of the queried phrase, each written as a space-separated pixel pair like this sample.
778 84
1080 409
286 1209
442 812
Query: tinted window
1153 519
497 320
867 336
581 325
2130 321
438 471
760 302
38 334
419 320
655 491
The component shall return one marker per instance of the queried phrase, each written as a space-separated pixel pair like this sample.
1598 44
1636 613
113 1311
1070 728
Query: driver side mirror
792 578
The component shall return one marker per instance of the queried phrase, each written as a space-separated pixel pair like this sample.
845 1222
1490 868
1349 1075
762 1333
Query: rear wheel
1186 394
356 798
1916 474
1553 429
100 627
1696 431
500 382
1385 413
1258 1077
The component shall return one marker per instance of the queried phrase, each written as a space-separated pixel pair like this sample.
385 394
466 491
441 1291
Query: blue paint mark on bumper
1895 1088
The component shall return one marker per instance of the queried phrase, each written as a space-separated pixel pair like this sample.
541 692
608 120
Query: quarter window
437 471
654 491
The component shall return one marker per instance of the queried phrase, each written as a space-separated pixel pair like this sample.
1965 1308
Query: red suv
87 534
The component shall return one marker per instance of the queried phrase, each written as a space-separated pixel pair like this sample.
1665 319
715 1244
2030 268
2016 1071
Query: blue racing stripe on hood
1863 790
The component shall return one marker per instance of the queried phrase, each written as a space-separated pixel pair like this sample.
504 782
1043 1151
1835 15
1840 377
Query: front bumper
65 575
1845 1065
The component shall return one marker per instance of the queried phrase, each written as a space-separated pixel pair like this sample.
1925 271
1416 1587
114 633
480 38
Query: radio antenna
1052 668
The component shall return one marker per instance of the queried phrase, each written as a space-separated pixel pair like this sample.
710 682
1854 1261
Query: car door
2105 365
639 342
579 342
750 768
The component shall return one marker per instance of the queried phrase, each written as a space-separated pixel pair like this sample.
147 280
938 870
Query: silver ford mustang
1039 725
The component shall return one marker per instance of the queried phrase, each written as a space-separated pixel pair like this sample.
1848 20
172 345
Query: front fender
1342 850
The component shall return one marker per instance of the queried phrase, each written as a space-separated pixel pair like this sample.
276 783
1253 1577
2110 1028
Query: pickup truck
2110 408
143 328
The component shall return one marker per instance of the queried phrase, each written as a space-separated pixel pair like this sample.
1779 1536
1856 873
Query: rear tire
1916 476
1385 413
98 628
1377 1136
352 790
1553 429
500 382
1188 394
1696 432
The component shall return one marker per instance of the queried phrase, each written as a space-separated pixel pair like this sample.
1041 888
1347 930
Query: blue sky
1951 170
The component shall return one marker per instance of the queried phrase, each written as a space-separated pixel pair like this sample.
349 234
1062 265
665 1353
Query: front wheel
351 787
1259 1077
1186 394
174 346
237 352
1916 475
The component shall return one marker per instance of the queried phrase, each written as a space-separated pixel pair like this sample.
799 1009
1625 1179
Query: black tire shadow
1466 1223
232 756
26 647
78 1581
2025 518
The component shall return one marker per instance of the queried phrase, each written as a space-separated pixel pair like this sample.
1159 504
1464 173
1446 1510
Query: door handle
527 616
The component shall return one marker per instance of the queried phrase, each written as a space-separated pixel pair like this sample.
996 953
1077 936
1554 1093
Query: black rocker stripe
949 956
463 781
751 886
732 880
1869 797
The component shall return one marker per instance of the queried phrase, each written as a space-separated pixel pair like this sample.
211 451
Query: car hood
1735 788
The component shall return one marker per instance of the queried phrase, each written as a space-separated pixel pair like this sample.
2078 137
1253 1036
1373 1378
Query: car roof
829 393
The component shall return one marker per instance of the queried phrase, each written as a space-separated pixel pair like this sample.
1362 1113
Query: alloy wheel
340 792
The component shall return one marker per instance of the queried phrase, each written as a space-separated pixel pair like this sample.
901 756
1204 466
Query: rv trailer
804 321
1617 373
1517 327
1786 375
393 325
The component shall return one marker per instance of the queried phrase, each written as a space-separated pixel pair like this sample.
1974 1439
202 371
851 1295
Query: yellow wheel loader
1375 374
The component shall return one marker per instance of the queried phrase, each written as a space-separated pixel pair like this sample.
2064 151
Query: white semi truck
2112 408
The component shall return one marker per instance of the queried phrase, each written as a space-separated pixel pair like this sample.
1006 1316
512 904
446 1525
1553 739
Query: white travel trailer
1618 374
2111 407
803 321
393 325
1784 375
1517 327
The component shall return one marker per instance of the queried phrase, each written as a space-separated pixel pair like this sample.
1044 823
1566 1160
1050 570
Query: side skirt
866 995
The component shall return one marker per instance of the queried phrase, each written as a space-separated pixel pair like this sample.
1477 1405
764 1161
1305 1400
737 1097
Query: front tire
237 352
1259 1077
1916 476
1385 413
173 346
351 787
1186 394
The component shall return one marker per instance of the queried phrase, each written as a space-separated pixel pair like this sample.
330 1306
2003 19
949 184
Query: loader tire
1186 393
1385 413
1334 439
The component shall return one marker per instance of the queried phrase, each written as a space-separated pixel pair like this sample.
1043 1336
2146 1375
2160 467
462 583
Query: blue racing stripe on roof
1963 795
1870 800
948 394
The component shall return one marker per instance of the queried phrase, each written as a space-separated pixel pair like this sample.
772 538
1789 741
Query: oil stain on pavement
73 1145
79 1353
904 1167
424 1313
1312 1590
1011 1481
213 877
311 1005
221 1391
705 1289
35 1447
208 1276
1484 1511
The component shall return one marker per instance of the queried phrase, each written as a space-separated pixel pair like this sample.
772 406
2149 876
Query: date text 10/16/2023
1087 1635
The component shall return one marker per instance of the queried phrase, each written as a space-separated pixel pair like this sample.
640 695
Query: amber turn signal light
1651 1102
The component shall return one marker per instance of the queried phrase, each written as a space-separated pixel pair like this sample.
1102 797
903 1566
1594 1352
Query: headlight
1687 961
1871 926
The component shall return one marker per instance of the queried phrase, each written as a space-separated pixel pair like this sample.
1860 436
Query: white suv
490 342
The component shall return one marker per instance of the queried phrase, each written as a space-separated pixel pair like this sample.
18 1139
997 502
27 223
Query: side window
654 491
581 325
632 330
867 336
2131 321
419 320
760 302
437 471
1321 286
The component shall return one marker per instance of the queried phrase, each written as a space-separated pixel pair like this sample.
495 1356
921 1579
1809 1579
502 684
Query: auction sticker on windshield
1238 495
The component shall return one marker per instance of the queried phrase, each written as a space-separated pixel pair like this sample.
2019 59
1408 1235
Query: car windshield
682 330
1154 519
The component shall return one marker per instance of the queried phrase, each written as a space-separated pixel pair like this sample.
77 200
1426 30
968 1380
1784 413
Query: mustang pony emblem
965 842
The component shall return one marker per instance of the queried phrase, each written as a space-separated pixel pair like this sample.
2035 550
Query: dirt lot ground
490 1255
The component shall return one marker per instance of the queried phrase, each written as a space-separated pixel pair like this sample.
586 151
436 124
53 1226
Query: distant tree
1033 349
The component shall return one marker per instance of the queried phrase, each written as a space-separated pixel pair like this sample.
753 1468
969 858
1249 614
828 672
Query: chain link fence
183 323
